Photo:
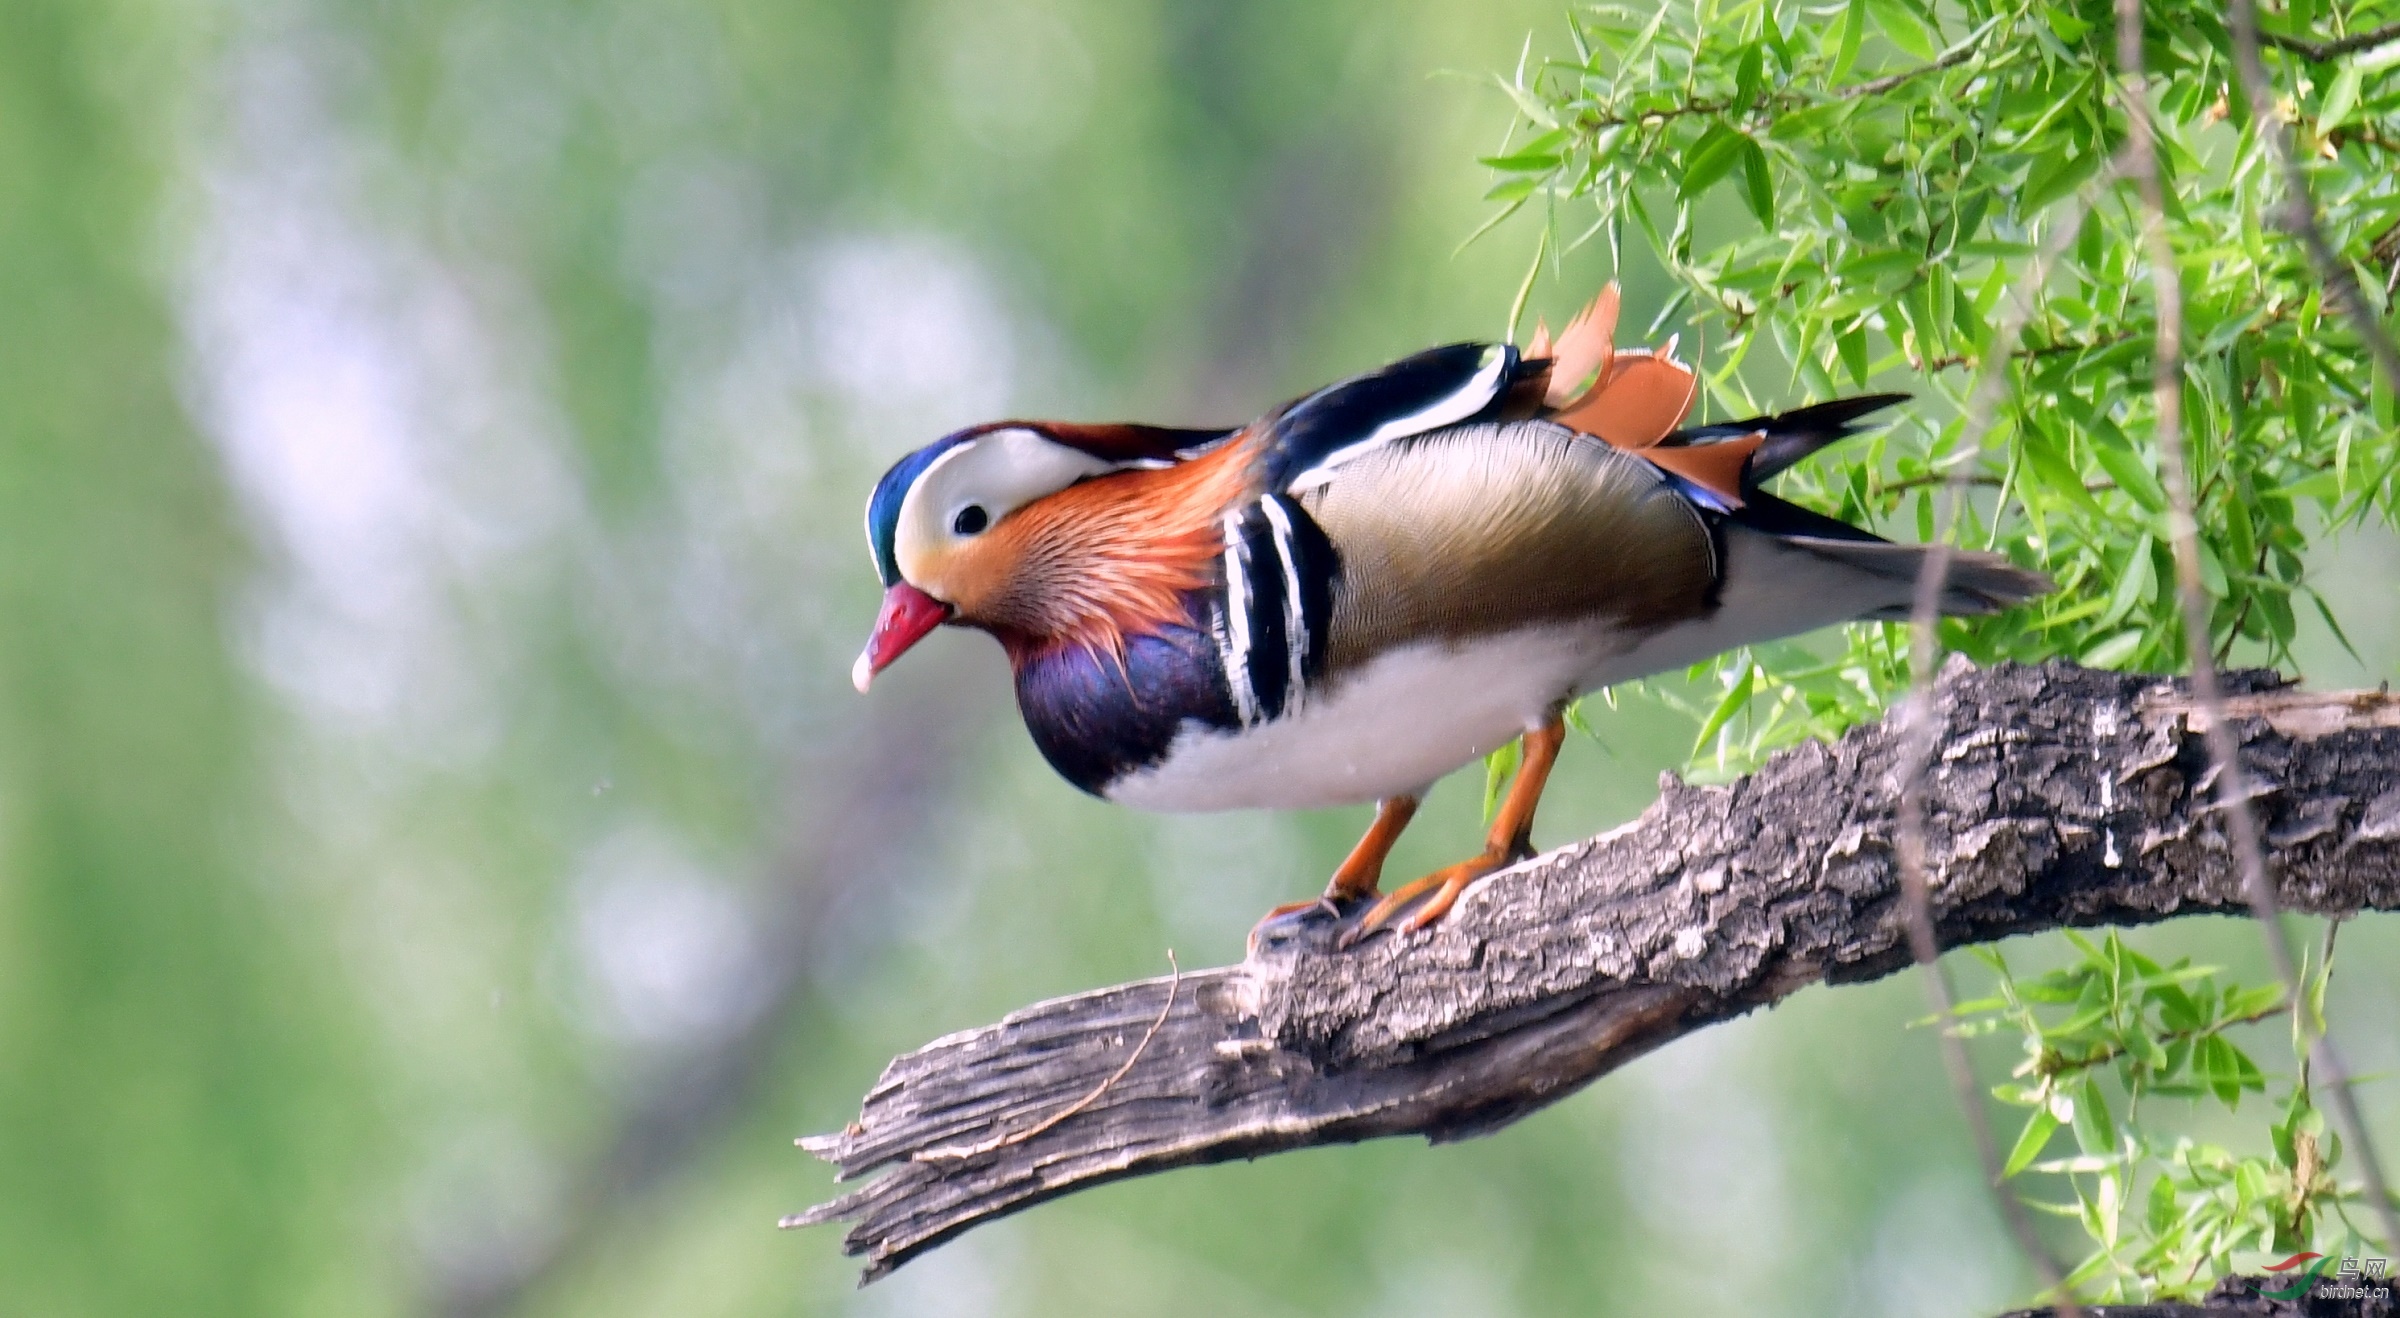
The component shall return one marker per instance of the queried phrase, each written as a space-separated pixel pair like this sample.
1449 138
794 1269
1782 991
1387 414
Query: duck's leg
1362 869
1510 839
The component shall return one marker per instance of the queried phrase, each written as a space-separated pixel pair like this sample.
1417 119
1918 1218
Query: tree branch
2061 796
2320 51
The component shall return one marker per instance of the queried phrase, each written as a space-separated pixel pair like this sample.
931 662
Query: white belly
1393 727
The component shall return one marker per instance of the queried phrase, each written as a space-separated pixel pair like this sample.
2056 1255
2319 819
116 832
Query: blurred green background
442 863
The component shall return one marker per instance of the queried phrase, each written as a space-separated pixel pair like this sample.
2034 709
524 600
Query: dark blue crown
883 506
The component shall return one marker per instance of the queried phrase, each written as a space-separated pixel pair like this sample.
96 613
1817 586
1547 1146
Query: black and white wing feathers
1435 389
1277 607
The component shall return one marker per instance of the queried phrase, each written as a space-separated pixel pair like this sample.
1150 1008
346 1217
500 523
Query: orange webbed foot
1444 885
1354 882
1510 839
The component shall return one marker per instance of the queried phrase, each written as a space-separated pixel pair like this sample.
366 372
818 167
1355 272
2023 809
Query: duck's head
939 522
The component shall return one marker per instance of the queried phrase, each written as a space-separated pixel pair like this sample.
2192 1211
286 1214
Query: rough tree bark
2062 796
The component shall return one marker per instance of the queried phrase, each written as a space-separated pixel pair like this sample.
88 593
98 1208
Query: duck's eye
970 520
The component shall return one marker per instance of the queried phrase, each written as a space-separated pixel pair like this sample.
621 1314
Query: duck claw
1294 921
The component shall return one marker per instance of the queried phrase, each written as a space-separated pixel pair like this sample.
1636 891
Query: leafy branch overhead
1845 196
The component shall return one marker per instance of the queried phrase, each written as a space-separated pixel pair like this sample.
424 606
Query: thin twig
2302 1031
2321 51
950 1152
2059 348
1980 481
2232 783
1922 729
1950 58
1790 100
2112 1052
1941 478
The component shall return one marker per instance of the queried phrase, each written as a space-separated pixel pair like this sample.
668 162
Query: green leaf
1852 344
2095 1131
2038 1130
1736 698
2051 471
2246 1072
1854 34
2056 986
1529 102
1711 158
1903 29
2127 469
2053 178
2134 584
2146 1047
2057 1210
2212 1061
1880 267
1811 124
2176 1009
2242 1002
2342 98
1749 74
1521 162
1497 767
2079 1165
2161 1214
1759 178
2113 651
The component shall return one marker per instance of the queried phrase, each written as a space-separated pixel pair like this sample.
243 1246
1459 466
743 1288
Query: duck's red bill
908 613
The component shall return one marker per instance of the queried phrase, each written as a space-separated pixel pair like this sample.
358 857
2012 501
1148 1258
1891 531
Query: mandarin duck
1380 582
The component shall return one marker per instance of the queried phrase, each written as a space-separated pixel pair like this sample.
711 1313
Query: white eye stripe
999 471
956 452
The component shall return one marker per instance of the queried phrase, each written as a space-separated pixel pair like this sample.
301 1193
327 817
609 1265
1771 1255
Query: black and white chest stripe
1272 621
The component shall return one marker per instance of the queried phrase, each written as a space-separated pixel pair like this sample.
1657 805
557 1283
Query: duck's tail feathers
1789 437
1973 583
1773 586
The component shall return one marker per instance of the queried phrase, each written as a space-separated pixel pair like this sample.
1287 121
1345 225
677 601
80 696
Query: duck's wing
1431 501
1487 528
1496 527
1469 491
1277 620
1305 443
1633 399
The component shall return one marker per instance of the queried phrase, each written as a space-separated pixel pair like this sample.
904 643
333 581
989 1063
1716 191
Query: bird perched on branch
1380 582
